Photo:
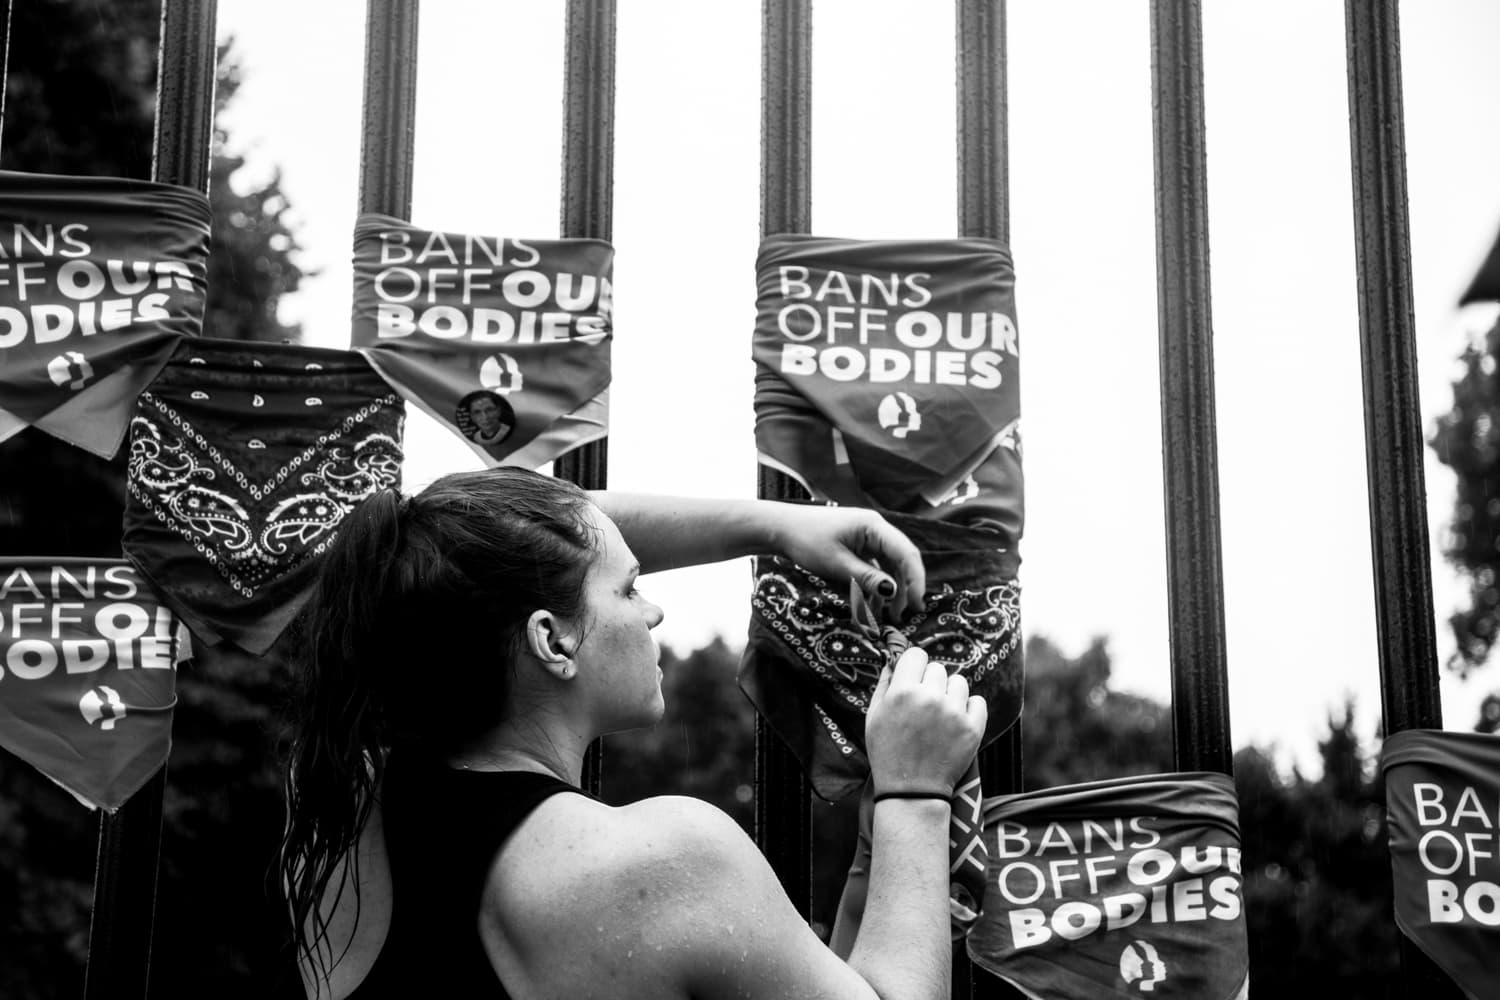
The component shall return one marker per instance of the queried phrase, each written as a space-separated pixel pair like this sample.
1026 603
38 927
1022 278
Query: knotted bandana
100 277
810 668
1442 794
505 341
244 460
1123 888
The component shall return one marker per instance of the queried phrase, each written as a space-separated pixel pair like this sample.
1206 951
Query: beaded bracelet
944 796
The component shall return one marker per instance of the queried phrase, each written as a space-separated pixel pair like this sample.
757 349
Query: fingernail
886 587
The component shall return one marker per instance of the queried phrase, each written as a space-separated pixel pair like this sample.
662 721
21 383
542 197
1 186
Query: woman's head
422 605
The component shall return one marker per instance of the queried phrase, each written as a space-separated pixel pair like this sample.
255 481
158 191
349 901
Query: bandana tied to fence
887 375
1123 888
88 675
505 341
100 277
244 460
811 665
1443 807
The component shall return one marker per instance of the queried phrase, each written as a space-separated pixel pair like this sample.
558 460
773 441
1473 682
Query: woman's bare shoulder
574 842
670 879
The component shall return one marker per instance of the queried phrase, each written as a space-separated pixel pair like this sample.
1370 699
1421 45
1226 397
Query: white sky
1299 591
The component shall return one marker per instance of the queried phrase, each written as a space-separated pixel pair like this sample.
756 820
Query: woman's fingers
911 667
958 690
979 712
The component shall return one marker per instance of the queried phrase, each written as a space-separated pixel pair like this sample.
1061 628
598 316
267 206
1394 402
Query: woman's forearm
669 532
903 947
839 543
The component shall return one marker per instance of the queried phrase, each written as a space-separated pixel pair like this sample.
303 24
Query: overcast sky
1299 589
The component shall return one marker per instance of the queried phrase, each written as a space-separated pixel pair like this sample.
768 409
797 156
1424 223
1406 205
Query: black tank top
443 829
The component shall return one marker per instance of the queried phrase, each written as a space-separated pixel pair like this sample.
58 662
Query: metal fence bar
4 64
984 211
1195 579
1394 445
588 206
783 813
388 134
129 855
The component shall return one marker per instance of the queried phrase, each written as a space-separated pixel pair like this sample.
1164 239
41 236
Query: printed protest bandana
810 668
505 341
1442 794
88 674
887 374
1123 888
244 460
100 277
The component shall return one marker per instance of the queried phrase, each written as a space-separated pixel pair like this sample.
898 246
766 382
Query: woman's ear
552 648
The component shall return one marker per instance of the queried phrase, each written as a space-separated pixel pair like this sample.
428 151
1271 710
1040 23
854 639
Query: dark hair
407 640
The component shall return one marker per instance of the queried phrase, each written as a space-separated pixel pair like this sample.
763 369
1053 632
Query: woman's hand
844 543
923 727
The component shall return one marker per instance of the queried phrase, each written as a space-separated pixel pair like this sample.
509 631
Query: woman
463 649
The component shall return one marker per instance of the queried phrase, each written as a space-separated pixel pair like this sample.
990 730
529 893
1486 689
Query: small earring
567 672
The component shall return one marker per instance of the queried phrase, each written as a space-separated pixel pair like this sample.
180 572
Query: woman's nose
655 615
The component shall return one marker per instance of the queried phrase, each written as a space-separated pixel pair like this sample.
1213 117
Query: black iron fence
129 843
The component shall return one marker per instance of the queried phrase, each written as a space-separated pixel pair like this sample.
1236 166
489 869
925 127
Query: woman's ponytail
407 641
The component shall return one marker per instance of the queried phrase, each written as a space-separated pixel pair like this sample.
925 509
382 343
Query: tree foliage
1467 440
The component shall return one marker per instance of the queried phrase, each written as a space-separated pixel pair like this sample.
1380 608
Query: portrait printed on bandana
88 674
505 341
1124 888
888 375
1442 793
100 278
244 460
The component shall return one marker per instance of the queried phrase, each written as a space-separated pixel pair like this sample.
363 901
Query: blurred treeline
80 101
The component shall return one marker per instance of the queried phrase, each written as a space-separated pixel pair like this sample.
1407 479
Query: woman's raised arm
668 532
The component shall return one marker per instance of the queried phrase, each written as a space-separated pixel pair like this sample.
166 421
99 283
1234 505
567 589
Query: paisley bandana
1115 889
810 668
1442 794
505 341
100 277
244 459
887 375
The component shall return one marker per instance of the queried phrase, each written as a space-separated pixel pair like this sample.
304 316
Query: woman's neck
505 750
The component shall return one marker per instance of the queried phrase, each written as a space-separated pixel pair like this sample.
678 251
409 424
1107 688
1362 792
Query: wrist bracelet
944 796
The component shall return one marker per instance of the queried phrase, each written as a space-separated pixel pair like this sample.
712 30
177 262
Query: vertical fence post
984 211
388 133
783 813
1195 579
4 64
588 207
1394 447
125 871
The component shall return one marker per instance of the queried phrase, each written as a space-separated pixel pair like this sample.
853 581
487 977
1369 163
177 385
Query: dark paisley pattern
244 460
810 667
192 487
